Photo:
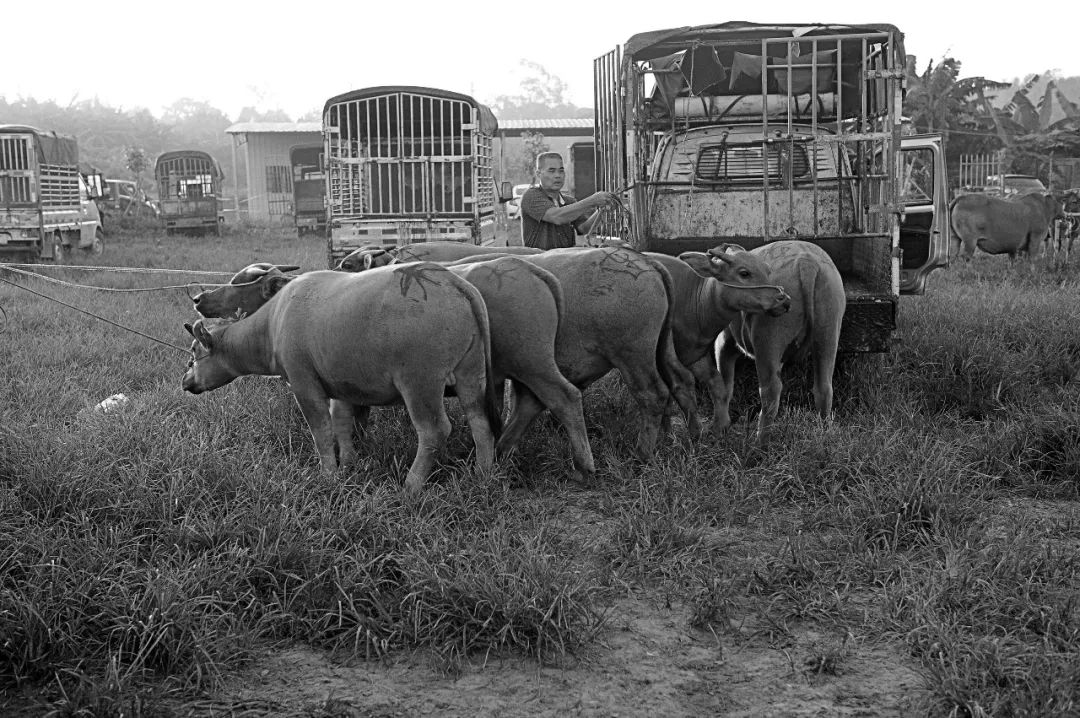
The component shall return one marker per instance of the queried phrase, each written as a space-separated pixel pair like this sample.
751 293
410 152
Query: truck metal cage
188 184
751 133
407 164
40 201
308 187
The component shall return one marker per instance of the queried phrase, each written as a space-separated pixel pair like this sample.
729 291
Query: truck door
924 221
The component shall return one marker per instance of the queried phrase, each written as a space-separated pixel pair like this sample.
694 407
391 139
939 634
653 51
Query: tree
250 114
543 97
523 164
136 163
938 100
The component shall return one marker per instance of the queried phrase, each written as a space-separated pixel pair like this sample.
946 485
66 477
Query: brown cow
1003 226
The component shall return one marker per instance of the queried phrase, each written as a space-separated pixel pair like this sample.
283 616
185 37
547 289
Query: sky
293 57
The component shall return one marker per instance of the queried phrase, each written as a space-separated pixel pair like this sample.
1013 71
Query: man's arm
579 209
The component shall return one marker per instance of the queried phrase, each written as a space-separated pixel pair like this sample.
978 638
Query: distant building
559 135
265 147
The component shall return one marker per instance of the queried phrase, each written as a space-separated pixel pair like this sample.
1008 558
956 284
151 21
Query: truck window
732 162
917 178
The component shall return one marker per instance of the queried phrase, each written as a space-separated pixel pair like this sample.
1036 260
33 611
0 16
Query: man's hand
601 199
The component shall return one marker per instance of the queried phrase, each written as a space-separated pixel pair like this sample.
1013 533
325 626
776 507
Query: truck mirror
505 192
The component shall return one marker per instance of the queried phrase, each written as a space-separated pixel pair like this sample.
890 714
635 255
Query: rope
187 287
62 283
133 270
184 350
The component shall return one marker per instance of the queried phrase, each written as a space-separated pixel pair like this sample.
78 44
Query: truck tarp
649 45
488 124
51 148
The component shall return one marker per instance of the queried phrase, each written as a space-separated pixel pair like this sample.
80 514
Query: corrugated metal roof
552 124
276 127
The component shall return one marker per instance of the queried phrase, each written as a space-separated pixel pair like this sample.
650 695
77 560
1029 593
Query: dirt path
646 662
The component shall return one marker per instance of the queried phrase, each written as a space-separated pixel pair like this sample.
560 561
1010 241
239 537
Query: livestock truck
45 207
407 164
754 133
309 189
189 186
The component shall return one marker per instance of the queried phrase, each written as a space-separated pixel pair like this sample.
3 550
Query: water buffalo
710 290
397 334
377 256
811 326
248 290
1003 226
619 309
525 306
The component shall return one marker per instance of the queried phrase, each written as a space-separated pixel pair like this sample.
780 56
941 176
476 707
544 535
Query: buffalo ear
202 334
699 262
190 329
272 284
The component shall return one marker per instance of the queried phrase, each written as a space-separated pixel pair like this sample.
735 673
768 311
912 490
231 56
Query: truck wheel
59 256
99 243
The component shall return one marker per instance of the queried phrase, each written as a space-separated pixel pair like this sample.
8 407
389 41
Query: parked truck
309 189
45 207
751 133
407 164
189 184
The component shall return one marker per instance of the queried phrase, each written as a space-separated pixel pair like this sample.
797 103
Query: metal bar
399 102
814 133
764 138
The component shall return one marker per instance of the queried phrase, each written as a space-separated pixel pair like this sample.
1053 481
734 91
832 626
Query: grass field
183 556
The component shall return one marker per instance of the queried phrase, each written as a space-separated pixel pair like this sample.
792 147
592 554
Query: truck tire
99 243
58 253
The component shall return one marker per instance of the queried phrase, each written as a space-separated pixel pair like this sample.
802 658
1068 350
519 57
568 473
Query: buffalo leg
524 412
653 397
563 400
313 405
341 418
428 415
705 371
472 400
767 352
726 352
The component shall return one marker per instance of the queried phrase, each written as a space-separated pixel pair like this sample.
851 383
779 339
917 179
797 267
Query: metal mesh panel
405 154
610 170
185 178
15 171
59 186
